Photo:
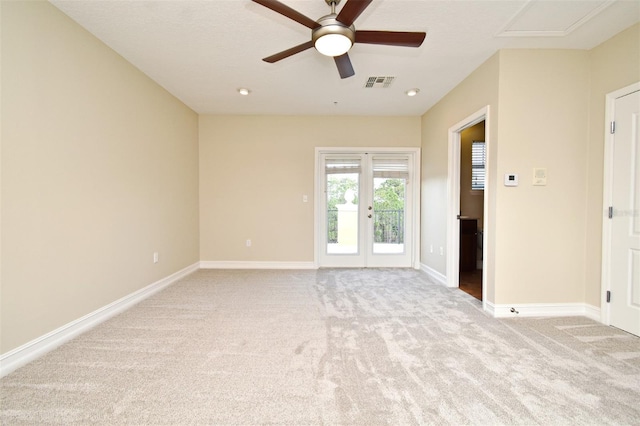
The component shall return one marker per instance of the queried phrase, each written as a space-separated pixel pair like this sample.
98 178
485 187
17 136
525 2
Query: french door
366 204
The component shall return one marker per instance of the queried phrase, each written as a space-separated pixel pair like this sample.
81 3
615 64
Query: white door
365 209
625 216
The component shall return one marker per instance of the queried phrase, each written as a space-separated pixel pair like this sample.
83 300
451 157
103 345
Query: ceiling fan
334 34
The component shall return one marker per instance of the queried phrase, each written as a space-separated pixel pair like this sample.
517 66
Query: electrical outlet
155 257
248 243
441 251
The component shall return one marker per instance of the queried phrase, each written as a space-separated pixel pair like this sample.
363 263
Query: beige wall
99 170
254 171
528 226
474 93
540 236
614 64
546 242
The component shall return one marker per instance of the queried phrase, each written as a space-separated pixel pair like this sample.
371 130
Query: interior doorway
459 221
472 184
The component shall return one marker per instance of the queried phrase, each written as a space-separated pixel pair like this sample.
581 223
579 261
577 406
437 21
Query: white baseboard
436 276
26 353
593 312
232 264
543 310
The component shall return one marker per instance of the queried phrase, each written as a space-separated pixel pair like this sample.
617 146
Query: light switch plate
539 176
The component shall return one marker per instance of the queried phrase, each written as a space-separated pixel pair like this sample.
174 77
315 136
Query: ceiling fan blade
344 65
391 38
351 10
285 10
289 52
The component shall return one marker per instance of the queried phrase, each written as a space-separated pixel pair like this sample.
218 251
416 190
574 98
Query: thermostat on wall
510 179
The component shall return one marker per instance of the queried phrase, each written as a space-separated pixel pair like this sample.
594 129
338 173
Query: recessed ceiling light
244 91
412 92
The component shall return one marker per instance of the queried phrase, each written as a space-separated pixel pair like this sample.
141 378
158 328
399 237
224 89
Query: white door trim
607 197
414 187
453 200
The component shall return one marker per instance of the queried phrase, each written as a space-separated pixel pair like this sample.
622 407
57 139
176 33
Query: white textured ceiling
203 51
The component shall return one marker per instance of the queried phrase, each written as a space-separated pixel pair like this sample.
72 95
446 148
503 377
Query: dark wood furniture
468 244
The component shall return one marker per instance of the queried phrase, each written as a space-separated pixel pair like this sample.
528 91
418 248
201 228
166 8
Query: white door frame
607 197
453 200
413 191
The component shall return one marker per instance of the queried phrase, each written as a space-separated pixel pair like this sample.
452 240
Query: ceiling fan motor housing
329 25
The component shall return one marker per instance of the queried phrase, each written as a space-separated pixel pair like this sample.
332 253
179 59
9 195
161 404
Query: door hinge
613 127
608 296
611 212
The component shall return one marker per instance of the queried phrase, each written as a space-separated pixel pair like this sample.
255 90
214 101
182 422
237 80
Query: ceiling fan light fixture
334 34
333 38
333 44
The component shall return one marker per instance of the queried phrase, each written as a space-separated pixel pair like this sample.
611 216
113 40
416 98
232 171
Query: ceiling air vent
378 82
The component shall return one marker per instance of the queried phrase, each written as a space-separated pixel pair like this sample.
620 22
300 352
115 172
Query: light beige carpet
350 347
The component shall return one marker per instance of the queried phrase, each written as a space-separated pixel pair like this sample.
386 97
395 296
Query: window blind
478 161
342 165
391 168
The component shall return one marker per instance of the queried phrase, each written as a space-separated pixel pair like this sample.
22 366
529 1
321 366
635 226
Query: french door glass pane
389 196
342 212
